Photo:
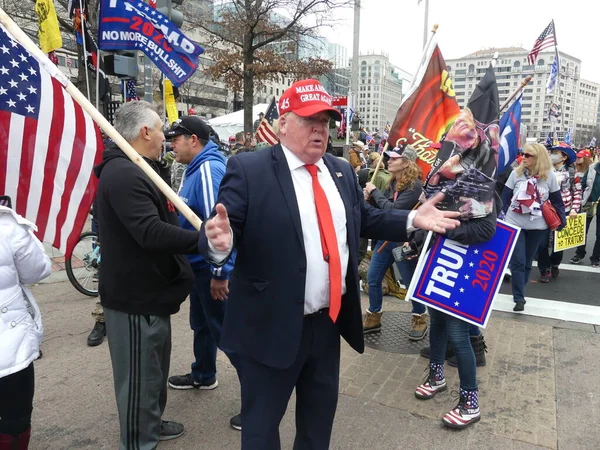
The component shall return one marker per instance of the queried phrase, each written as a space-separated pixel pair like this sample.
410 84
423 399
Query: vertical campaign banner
463 280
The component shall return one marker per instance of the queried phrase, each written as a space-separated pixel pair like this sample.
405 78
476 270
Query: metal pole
426 24
355 52
87 81
348 125
98 81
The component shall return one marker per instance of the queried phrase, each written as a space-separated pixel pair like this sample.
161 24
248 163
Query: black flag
485 102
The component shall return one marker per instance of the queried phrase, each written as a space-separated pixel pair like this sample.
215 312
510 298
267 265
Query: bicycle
83 265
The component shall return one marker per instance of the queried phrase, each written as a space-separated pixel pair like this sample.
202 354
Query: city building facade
511 69
379 91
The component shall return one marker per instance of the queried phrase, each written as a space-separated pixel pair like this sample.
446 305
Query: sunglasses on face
178 126
528 155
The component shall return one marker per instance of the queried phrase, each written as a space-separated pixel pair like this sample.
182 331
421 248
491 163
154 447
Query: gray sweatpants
140 352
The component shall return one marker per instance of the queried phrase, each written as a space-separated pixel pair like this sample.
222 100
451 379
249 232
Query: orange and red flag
428 109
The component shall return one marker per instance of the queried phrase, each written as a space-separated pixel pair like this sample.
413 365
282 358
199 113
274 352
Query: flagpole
82 20
516 92
425 23
425 53
87 106
98 80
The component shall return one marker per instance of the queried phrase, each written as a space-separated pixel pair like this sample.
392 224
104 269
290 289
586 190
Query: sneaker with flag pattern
466 411
434 383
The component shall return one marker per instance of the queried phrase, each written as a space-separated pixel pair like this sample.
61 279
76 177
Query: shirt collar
294 162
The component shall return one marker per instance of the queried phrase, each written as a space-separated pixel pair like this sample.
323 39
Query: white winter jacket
22 261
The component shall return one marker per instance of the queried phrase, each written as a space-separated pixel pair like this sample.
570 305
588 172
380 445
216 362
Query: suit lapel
282 171
342 186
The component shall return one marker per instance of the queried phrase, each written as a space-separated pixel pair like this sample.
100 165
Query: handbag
550 215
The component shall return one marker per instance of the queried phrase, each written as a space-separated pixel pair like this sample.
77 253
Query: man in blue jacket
190 141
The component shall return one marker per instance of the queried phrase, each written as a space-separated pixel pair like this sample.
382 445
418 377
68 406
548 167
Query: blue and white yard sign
463 280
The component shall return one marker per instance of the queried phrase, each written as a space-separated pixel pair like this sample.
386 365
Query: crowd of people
273 273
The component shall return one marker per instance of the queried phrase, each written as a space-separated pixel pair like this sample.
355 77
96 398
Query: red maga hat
306 98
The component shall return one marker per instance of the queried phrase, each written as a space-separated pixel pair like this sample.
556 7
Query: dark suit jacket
265 309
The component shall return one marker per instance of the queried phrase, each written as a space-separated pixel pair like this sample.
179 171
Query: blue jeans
380 263
444 328
206 320
546 258
407 269
525 250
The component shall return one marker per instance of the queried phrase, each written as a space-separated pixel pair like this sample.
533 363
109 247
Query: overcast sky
465 26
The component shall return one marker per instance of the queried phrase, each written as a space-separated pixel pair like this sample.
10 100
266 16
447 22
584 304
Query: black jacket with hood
143 270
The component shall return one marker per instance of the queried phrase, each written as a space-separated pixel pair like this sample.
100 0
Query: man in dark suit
295 215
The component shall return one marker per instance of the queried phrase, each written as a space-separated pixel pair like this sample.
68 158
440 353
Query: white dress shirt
316 294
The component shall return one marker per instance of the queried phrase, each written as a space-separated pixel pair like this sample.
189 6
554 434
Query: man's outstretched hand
218 231
430 218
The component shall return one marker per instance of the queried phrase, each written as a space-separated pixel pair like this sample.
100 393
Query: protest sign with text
133 25
572 235
463 280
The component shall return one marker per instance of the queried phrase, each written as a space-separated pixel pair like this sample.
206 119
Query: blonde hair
407 177
584 165
543 164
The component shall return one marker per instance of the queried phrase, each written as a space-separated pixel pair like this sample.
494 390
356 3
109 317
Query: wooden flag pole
519 88
26 42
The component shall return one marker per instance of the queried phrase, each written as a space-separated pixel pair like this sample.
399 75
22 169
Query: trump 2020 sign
463 280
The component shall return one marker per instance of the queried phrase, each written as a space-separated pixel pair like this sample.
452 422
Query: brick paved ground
536 373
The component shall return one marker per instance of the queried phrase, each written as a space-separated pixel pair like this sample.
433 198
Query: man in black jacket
144 277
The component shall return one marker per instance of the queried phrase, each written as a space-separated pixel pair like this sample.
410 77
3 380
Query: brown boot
372 322
419 327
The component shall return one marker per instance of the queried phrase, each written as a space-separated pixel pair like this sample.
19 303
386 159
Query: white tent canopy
230 124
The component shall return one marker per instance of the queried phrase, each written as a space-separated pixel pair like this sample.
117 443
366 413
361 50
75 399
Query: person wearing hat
562 157
258 121
587 185
189 139
295 214
402 192
356 155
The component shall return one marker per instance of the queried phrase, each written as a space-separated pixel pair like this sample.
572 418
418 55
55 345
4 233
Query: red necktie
329 244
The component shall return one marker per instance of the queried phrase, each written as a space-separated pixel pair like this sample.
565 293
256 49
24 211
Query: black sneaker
575 260
554 272
97 334
519 306
187 382
170 430
236 422
595 263
545 276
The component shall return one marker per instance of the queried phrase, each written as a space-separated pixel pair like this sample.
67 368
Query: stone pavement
538 390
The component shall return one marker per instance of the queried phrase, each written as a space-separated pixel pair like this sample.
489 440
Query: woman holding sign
562 158
530 185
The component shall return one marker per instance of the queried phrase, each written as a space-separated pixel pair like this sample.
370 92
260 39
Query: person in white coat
22 261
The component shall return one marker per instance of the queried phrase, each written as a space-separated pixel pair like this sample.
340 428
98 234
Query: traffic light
166 7
124 64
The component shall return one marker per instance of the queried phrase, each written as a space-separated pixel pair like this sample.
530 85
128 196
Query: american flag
546 40
265 131
130 93
48 146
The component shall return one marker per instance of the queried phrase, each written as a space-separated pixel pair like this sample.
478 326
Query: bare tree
257 41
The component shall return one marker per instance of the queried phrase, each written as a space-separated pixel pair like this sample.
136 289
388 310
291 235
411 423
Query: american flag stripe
545 40
265 133
48 152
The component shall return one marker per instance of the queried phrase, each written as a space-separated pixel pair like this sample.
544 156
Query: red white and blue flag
48 146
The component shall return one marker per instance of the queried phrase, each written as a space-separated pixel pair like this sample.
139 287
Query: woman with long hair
402 192
581 197
562 158
531 184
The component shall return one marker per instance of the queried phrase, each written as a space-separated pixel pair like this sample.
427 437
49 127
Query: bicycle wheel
82 267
